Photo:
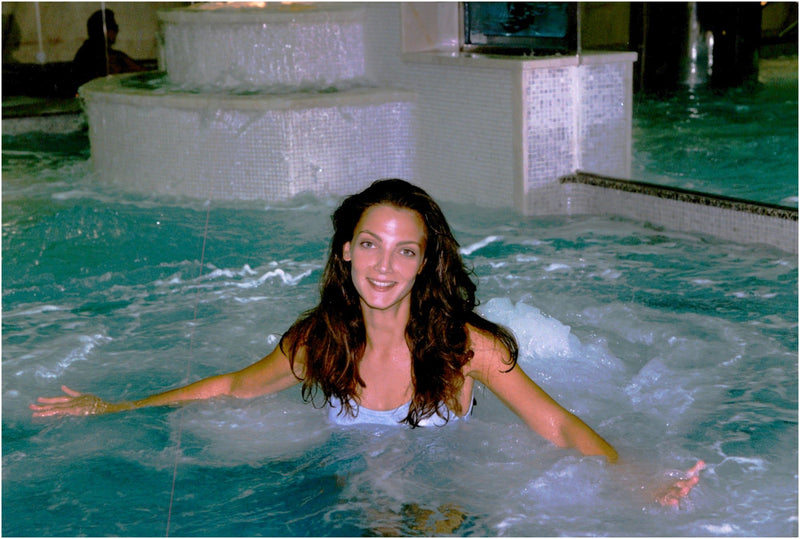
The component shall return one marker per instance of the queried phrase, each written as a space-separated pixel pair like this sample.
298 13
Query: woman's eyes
368 244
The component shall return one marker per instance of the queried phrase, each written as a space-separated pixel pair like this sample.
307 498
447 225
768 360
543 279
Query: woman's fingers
47 412
53 400
46 401
680 489
71 392
694 471
73 403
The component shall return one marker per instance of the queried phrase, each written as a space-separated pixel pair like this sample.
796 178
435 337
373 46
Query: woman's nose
384 262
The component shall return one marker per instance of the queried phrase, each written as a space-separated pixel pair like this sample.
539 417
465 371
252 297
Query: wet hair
333 337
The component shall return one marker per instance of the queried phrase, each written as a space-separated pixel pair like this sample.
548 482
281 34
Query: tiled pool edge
47 123
728 218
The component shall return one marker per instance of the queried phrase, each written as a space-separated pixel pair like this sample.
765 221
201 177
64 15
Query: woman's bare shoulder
295 354
481 338
488 351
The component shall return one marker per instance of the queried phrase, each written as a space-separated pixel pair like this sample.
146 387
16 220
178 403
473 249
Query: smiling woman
394 326
395 331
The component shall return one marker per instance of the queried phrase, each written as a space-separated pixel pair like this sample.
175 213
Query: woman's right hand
271 374
73 403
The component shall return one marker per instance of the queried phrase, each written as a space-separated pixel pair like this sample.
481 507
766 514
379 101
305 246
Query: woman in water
394 338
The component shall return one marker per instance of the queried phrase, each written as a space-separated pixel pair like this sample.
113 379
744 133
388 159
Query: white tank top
394 417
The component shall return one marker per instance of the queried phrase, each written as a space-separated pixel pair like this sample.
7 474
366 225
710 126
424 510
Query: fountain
256 102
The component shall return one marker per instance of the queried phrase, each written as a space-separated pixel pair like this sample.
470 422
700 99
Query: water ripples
674 346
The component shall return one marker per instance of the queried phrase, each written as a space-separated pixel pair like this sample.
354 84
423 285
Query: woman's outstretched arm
271 374
545 416
530 402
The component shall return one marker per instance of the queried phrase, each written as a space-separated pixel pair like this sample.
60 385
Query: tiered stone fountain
258 103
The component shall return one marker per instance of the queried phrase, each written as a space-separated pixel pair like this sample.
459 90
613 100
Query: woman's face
386 254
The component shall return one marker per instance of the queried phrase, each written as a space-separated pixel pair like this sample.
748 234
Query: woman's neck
385 329
385 366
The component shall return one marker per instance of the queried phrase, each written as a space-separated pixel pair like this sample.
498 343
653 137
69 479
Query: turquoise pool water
740 142
676 347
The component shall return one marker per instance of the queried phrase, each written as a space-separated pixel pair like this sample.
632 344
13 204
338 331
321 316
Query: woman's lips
381 285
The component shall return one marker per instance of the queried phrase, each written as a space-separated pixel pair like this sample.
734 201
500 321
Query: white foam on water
722 529
538 335
233 433
81 353
543 338
32 312
470 249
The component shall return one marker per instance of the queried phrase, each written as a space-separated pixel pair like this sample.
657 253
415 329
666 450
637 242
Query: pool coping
49 115
683 195
729 218
53 123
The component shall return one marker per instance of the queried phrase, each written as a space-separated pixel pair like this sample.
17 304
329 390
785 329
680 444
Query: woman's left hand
671 494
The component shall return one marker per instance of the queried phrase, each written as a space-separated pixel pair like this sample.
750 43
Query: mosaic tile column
576 116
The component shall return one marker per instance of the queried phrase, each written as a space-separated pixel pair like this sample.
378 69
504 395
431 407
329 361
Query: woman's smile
381 285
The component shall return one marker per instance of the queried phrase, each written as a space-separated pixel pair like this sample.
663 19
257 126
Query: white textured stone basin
241 45
256 146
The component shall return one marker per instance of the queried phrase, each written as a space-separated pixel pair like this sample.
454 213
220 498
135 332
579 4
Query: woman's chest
389 385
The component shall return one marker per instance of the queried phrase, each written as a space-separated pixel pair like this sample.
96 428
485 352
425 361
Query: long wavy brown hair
332 334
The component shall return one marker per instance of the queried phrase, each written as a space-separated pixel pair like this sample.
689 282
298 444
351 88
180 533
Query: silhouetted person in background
96 57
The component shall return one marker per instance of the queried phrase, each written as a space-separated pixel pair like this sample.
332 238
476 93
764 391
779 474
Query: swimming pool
740 142
675 347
